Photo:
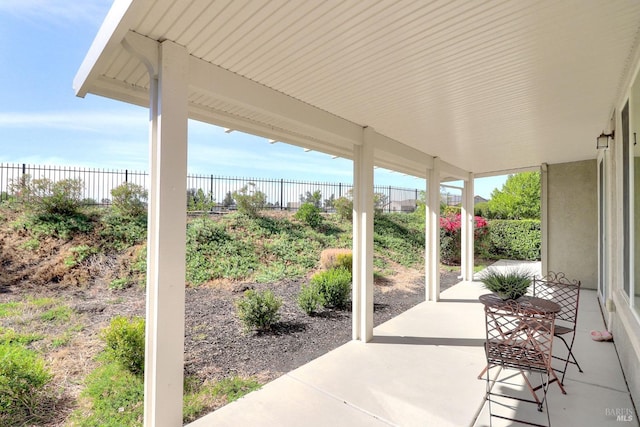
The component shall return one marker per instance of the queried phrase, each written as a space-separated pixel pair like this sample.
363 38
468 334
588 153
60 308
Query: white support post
164 349
363 239
467 218
544 219
432 267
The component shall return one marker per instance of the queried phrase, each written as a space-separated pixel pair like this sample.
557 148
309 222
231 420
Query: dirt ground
215 344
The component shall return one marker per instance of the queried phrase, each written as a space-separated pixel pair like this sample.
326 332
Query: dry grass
331 258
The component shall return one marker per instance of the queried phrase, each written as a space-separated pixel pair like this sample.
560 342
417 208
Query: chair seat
561 330
516 356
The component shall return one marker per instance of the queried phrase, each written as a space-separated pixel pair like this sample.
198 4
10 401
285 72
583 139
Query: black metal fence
216 191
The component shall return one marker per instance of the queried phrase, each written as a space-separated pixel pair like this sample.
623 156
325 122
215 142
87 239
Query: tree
519 197
314 198
249 200
228 200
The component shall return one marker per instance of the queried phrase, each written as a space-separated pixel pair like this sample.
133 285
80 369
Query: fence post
339 189
211 190
416 200
126 176
389 201
24 168
281 194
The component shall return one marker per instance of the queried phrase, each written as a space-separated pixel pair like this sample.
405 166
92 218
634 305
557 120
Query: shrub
334 286
53 208
23 378
309 214
258 310
509 284
515 239
450 238
314 198
310 299
125 342
197 200
336 258
129 200
344 208
380 203
45 196
121 232
250 200
203 231
59 225
482 209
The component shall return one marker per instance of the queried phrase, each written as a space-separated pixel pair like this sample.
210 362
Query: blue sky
43 42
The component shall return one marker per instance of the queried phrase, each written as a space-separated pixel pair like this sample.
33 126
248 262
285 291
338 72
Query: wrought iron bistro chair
519 338
566 293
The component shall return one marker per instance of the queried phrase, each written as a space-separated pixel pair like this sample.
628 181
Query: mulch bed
216 346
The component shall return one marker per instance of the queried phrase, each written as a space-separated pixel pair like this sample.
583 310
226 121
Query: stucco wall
573 221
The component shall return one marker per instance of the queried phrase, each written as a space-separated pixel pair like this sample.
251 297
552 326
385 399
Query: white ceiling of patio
485 85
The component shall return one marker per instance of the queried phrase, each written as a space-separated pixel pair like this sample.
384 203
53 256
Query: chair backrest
557 288
519 336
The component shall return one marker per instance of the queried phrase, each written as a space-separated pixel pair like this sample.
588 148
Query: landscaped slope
64 278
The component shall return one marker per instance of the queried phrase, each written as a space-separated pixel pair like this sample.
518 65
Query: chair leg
551 380
532 390
484 371
544 398
568 360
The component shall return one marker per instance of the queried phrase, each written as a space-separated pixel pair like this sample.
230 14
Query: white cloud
89 121
57 12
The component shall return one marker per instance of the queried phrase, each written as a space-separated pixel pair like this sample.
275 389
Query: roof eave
113 30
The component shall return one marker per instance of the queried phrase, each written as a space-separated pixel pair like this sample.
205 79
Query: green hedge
515 239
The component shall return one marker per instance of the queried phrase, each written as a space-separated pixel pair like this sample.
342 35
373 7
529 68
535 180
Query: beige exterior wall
573 221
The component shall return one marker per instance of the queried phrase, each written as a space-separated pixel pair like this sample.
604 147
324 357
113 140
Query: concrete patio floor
421 370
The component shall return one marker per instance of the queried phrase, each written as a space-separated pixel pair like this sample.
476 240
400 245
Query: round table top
540 305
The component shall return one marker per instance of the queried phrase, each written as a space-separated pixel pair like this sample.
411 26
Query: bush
249 200
451 240
203 231
334 286
52 208
63 226
309 214
121 232
197 200
336 258
310 299
23 377
258 310
482 209
44 196
515 239
125 342
314 198
344 208
129 200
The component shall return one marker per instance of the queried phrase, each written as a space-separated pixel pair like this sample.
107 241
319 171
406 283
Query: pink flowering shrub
450 239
